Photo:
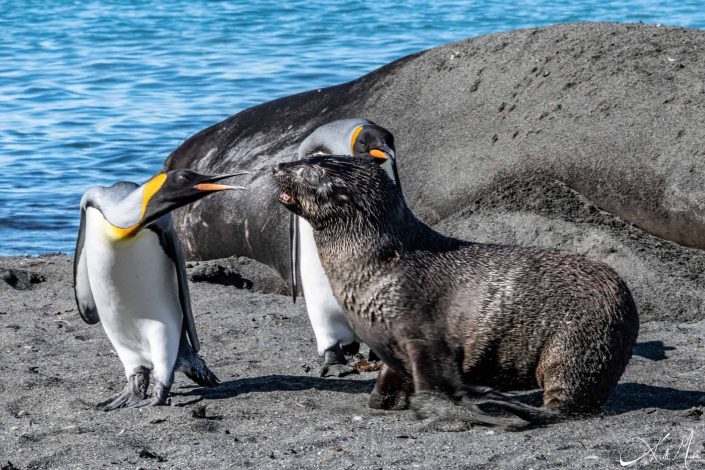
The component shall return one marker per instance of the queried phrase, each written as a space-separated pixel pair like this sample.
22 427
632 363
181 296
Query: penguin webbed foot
337 370
335 364
372 357
351 349
160 397
134 392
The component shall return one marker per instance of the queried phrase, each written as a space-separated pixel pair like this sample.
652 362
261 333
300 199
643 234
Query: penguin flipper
294 252
170 243
81 286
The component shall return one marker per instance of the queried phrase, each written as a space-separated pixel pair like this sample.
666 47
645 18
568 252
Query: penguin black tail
193 365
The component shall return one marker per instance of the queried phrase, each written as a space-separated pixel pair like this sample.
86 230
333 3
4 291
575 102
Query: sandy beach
273 411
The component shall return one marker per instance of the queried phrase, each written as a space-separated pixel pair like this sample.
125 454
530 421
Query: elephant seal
550 120
459 318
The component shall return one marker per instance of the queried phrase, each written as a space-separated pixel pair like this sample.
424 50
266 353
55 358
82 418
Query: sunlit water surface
96 92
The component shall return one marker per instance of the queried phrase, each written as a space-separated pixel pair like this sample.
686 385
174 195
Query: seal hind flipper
81 285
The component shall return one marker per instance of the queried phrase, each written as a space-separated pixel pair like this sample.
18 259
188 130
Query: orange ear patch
355 133
150 189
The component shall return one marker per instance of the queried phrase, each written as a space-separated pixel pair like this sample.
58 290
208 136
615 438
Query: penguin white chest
134 285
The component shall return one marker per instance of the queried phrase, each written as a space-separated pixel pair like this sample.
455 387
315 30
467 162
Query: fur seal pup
129 274
452 318
334 337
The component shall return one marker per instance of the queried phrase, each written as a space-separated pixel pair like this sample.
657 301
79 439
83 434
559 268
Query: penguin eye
182 179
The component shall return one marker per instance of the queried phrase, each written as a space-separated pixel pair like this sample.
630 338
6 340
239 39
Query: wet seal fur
453 318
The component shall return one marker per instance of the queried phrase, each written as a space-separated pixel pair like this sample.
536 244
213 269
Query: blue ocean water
92 92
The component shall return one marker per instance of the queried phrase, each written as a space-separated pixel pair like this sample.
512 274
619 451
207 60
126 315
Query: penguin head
375 141
327 190
354 137
165 192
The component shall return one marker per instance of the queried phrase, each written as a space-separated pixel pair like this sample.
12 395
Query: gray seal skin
457 318
590 105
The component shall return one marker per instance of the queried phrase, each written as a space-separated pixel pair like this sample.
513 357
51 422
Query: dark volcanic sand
273 411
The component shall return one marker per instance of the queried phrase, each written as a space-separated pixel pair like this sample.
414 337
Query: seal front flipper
81 285
438 407
391 392
432 383
335 364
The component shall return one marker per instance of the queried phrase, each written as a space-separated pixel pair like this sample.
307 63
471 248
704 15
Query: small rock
20 279
146 454
199 412
695 412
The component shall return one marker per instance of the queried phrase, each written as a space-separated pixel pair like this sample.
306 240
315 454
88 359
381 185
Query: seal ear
342 197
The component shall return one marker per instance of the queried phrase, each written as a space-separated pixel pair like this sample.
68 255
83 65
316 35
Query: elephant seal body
446 315
550 120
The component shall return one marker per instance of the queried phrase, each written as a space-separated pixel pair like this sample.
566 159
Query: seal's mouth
287 199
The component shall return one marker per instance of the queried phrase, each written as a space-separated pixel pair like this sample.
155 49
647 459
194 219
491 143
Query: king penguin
334 336
130 275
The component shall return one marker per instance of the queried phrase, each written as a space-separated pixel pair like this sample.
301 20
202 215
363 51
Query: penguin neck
124 216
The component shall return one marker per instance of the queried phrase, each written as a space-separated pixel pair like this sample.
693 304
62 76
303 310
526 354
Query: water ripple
98 91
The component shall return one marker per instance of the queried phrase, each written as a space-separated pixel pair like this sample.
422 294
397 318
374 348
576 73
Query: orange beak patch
212 187
378 154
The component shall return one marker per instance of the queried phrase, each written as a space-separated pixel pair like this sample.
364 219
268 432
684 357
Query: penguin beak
382 154
171 190
209 183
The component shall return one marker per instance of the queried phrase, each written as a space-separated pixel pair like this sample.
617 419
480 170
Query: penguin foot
159 397
351 349
337 370
135 391
372 357
335 364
